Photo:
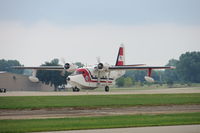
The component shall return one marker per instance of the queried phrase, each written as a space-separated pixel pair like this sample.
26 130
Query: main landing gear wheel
75 89
107 88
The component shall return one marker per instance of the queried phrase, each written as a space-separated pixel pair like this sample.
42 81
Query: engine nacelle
70 67
33 79
102 66
149 79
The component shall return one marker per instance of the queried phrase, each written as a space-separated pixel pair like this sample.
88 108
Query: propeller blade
98 60
62 60
64 70
98 78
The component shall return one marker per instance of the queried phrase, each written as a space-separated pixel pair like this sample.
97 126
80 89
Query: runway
112 92
161 129
103 111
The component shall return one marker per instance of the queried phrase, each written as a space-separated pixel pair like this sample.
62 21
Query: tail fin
121 56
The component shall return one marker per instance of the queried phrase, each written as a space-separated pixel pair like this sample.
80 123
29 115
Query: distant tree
170 83
125 82
137 75
128 82
171 74
120 82
55 78
157 75
188 67
5 65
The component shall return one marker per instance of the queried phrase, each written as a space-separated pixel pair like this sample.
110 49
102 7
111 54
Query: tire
107 89
4 90
75 89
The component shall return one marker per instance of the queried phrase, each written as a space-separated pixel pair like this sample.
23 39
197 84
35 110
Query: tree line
187 71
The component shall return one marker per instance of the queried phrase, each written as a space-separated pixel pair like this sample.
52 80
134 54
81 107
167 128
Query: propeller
98 59
66 66
69 67
99 66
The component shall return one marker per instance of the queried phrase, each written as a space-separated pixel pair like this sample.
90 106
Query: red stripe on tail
120 57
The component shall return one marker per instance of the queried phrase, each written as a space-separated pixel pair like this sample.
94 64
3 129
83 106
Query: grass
35 125
93 101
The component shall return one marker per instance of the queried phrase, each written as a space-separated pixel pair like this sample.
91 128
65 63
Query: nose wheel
75 89
107 88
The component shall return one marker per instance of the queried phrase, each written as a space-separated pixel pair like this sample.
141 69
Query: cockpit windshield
77 73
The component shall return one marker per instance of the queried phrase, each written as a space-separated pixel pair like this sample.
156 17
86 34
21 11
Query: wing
136 65
127 67
58 68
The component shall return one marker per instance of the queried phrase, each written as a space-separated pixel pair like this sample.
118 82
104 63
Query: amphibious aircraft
100 75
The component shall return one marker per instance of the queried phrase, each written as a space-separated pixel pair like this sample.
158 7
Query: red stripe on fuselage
87 76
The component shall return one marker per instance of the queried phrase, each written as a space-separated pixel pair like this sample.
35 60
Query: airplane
99 75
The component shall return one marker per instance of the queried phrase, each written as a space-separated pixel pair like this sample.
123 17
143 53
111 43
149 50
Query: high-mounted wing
135 65
59 68
129 67
33 77
70 67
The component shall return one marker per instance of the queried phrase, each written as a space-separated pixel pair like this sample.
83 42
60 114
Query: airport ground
159 129
113 91
180 106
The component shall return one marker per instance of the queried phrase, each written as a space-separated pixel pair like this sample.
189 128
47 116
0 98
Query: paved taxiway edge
160 129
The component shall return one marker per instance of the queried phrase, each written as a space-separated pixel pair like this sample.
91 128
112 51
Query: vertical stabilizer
121 56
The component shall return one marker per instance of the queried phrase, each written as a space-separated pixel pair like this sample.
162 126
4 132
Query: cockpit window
78 72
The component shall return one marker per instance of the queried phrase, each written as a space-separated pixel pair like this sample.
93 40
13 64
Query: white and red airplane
99 75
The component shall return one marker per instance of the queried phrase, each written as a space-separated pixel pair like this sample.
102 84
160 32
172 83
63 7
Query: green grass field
93 101
98 122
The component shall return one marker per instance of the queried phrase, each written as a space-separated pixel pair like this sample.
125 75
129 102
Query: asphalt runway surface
112 92
160 129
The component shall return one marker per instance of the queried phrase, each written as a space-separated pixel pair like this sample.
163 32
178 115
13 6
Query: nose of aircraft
74 79
71 79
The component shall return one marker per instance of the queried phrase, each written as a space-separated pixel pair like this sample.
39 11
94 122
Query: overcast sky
153 31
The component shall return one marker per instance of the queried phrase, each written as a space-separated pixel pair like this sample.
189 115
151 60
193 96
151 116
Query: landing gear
107 88
75 89
2 90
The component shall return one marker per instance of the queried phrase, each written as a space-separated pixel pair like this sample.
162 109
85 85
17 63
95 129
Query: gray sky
153 31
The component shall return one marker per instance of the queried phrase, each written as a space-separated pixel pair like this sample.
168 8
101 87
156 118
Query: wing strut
149 72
